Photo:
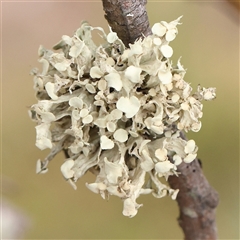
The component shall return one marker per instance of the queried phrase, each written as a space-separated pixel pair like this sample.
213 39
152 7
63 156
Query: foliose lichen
117 112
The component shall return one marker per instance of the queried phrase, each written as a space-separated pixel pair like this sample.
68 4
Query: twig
128 18
197 200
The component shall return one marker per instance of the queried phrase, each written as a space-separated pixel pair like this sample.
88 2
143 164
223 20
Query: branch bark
196 199
128 18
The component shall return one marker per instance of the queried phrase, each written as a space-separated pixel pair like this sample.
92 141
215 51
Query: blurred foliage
208 42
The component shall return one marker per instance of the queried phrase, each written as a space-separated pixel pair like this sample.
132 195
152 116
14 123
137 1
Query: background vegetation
208 42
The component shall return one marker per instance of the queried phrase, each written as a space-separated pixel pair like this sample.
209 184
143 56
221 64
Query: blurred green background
208 42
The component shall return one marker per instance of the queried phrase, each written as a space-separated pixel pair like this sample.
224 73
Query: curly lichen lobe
117 112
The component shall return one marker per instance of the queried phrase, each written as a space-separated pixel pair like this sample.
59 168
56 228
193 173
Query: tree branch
127 18
196 199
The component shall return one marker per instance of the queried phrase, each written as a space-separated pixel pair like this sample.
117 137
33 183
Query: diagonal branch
127 18
197 200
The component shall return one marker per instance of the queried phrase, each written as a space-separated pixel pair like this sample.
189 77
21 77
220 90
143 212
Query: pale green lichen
117 112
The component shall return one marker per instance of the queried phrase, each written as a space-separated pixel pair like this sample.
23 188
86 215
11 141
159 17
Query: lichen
117 112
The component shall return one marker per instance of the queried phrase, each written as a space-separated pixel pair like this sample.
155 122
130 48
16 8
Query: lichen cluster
117 112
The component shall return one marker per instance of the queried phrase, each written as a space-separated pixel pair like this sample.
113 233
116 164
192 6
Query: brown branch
128 18
197 200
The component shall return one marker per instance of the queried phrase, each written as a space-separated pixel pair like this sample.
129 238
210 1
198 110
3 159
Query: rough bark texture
128 18
197 200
